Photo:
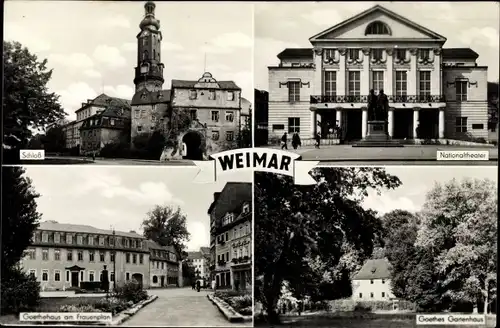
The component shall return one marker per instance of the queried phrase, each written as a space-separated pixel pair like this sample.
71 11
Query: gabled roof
231 198
104 100
151 244
459 53
205 251
295 53
385 11
374 269
67 227
184 84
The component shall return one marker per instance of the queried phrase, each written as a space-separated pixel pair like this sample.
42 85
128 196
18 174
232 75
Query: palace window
67 275
461 90
461 124
424 54
91 275
230 95
127 276
330 83
57 275
424 83
112 277
377 54
229 116
211 95
137 113
329 53
112 257
91 240
293 124
377 80
32 254
57 237
91 256
134 258
371 295
79 240
360 295
127 257
229 135
401 83
57 254
141 258
45 254
45 275
45 237
192 94
353 54
69 255
154 54
377 28
401 54
293 91
215 135
32 273
354 83
215 116
139 128
80 255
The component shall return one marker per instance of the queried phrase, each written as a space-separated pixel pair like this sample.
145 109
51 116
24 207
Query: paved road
426 155
181 307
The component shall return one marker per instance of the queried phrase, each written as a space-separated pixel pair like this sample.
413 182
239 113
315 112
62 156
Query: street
181 307
408 155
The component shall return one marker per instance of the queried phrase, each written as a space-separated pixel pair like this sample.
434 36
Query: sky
121 196
281 25
92 46
418 180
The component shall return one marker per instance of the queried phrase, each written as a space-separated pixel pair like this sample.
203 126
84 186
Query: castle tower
149 70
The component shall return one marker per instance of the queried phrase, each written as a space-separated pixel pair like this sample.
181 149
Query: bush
115 150
131 292
112 304
362 307
78 308
90 285
246 311
19 292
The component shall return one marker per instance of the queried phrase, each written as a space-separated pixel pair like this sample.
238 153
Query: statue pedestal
377 136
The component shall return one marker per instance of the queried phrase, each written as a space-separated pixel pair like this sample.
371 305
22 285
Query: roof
147 98
231 198
459 53
194 255
387 12
67 227
226 85
105 101
294 53
151 244
374 269
205 250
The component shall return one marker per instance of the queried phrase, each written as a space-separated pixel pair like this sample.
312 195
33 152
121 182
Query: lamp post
114 259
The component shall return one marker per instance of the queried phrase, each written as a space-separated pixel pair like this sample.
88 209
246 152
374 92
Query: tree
179 121
20 218
459 223
413 275
300 231
36 142
27 103
55 139
246 132
167 226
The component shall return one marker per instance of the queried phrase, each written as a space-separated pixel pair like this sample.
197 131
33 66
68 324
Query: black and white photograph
392 82
146 246
126 83
372 247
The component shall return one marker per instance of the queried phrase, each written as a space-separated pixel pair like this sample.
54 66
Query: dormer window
192 94
57 237
377 28
79 240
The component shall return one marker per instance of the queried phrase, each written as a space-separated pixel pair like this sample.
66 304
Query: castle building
214 106
231 236
373 282
434 92
62 256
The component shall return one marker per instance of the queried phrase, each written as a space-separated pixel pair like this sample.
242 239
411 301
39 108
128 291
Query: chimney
216 196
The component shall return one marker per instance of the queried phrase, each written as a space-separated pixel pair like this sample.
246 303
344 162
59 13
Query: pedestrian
198 286
213 285
318 140
93 156
299 307
193 285
284 141
295 140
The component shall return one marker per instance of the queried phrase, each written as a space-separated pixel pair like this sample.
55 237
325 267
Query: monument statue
104 280
372 106
382 106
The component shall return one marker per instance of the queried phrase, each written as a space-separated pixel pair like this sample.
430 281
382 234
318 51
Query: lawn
360 320
241 302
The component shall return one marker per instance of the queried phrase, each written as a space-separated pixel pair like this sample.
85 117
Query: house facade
434 92
373 282
164 267
62 256
231 237
200 262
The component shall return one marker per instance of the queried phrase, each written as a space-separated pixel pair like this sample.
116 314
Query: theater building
434 92
231 236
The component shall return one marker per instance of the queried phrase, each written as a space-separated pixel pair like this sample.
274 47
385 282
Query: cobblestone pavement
181 307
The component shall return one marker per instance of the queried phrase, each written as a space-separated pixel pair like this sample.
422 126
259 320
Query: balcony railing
243 259
409 99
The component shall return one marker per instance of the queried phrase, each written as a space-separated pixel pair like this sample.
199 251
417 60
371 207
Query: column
341 77
338 115
390 122
441 123
389 89
436 72
364 122
318 72
365 73
411 78
415 122
313 123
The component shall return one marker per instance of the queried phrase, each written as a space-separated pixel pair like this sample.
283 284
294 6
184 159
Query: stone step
378 143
